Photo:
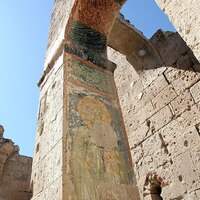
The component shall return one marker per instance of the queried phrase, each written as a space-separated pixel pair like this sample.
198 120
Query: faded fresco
99 159
91 77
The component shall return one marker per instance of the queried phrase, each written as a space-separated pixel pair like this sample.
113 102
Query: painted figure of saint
96 158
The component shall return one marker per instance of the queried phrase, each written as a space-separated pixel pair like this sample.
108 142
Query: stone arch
153 187
89 26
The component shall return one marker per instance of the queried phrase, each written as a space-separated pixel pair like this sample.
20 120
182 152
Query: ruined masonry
81 135
119 114
15 171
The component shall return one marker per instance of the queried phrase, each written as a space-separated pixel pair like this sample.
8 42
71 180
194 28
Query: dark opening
156 191
152 187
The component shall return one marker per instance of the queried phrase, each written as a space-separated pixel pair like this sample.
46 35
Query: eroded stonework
15 171
160 107
89 157
184 15
81 149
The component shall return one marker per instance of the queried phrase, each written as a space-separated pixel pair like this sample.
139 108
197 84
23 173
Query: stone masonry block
136 137
189 118
195 156
184 143
134 105
148 76
195 91
157 150
155 73
171 131
183 169
137 154
183 102
54 191
167 42
164 97
145 112
151 157
186 81
192 196
168 193
164 115
39 196
158 85
145 77
150 92
145 96
59 19
172 74
136 89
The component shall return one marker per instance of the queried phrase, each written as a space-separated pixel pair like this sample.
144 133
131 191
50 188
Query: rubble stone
15 171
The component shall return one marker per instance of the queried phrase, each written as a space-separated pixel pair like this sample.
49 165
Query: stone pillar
81 147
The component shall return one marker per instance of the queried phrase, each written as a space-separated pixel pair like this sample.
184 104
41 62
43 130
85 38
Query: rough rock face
15 171
161 109
184 15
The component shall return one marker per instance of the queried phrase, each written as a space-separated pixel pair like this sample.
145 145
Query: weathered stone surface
81 138
164 97
185 17
195 91
161 113
48 162
183 102
15 171
188 78
59 18
166 42
81 147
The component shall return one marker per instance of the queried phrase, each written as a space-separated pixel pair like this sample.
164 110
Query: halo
92 111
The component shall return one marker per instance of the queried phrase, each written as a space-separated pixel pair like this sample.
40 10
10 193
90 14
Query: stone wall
161 109
160 104
47 162
184 15
59 19
15 171
81 150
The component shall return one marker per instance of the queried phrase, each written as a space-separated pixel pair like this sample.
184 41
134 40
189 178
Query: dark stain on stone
186 143
87 39
97 60
119 1
163 144
198 128
180 178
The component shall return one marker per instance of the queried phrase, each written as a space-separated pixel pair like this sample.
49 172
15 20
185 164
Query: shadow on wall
173 50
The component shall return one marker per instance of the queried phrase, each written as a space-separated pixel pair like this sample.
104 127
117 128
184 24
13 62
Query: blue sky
23 40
